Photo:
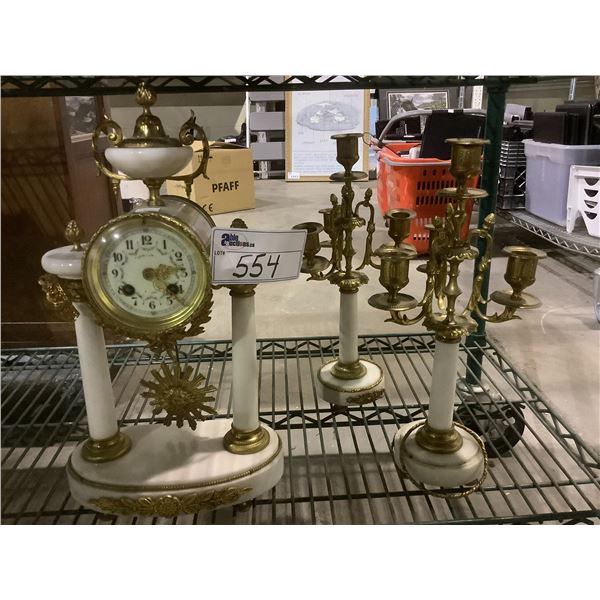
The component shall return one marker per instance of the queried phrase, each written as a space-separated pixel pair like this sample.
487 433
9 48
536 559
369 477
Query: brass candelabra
348 379
447 250
435 451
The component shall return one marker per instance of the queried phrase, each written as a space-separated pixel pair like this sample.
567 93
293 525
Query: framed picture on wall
312 117
82 116
395 102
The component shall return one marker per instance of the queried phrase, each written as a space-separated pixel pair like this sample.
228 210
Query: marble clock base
351 392
171 471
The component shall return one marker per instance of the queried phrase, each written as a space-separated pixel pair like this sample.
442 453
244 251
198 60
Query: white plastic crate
584 198
548 169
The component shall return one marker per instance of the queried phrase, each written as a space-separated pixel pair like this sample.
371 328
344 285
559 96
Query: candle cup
311 263
465 161
347 149
393 276
520 274
328 225
398 221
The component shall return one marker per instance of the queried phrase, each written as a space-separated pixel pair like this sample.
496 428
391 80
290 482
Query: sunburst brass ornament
177 392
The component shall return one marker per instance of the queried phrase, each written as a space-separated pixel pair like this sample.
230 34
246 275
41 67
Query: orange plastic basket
415 183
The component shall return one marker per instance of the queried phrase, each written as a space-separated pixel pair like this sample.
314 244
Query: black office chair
442 124
406 129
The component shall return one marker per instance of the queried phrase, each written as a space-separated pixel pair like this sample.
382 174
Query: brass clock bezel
160 333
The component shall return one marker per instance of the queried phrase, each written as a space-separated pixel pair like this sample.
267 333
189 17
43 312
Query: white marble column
244 363
443 386
97 386
348 328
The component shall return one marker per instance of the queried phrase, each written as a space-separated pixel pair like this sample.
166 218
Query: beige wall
219 114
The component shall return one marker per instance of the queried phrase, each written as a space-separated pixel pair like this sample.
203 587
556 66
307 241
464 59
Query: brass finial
148 126
239 224
145 97
74 235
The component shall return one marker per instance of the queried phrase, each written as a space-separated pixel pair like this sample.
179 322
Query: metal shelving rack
110 85
338 465
579 242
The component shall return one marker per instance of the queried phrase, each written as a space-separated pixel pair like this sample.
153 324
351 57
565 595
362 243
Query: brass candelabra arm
437 265
484 233
401 318
368 254
337 244
371 263
506 315
439 280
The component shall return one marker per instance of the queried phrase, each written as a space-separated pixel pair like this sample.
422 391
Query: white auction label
251 256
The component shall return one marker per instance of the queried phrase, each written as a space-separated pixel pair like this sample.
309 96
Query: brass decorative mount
149 133
180 393
354 370
438 442
170 505
99 451
246 442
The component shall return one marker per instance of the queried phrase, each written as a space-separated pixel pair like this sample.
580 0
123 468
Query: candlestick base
171 471
460 473
351 392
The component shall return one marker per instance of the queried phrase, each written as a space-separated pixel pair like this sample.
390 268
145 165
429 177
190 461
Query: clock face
146 271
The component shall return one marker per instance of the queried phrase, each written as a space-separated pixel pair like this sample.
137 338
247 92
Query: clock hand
158 276
127 289
160 273
165 289
170 294
163 271
149 274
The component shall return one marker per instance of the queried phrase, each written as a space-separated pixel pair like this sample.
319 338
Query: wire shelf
581 243
61 85
338 465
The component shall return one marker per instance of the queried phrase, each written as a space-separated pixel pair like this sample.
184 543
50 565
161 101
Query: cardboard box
230 185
